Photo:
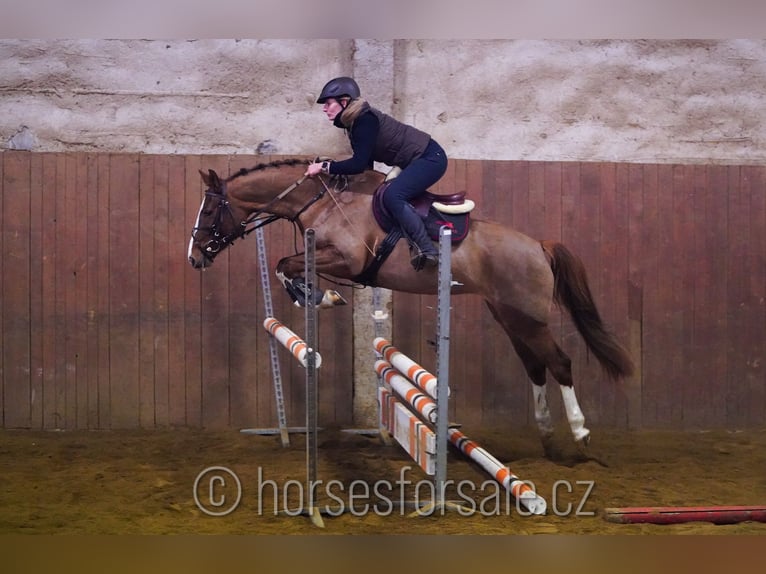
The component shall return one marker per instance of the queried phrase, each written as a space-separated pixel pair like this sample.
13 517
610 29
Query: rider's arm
364 134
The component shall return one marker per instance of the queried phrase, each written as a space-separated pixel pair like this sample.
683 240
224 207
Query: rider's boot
423 253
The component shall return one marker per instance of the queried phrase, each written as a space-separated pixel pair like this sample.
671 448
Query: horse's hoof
550 450
332 298
583 439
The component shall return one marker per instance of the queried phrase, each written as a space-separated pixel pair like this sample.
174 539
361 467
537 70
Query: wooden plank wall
676 256
105 325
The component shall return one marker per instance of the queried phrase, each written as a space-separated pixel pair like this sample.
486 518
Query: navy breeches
414 179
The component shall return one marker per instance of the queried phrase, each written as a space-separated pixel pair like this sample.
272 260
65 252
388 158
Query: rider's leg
423 253
420 174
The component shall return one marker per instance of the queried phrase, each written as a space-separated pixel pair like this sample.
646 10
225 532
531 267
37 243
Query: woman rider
376 136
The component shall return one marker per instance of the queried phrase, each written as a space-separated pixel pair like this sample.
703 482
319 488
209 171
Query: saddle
436 211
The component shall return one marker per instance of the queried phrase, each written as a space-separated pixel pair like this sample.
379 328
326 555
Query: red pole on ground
679 514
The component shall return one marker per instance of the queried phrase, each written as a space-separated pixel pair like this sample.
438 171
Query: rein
261 218
253 222
255 217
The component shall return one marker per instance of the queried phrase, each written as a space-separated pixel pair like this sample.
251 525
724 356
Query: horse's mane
290 162
261 166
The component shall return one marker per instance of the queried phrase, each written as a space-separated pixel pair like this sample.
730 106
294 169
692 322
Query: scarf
353 110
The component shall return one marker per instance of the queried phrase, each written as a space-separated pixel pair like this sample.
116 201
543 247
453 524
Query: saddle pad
434 219
457 222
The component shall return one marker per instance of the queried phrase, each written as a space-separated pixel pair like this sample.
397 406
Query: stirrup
421 260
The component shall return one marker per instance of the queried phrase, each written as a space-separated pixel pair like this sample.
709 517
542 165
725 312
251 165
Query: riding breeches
416 178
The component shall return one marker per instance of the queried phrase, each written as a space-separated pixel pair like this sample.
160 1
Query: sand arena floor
142 482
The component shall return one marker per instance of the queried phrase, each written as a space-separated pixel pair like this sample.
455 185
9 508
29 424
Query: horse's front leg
290 273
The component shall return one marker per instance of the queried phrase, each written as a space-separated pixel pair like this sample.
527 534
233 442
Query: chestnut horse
517 276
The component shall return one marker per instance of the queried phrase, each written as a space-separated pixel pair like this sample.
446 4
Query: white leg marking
542 412
574 414
331 298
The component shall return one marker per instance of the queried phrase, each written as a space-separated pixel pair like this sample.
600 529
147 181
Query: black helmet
338 88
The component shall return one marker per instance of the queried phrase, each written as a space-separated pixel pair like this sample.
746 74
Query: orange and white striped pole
418 399
520 490
290 341
409 368
426 407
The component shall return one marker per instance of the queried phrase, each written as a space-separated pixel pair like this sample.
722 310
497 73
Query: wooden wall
105 324
676 256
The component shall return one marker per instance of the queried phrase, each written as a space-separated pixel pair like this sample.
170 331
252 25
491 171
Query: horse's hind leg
538 350
536 372
560 366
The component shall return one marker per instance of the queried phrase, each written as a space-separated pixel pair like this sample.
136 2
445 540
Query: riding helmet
338 88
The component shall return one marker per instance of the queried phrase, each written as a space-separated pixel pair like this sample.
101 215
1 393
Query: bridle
218 240
259 218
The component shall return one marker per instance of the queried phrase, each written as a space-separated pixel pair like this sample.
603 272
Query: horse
519 277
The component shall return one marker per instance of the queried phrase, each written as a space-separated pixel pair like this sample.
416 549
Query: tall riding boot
423 253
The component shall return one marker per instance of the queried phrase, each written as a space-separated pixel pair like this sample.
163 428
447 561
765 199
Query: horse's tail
571 291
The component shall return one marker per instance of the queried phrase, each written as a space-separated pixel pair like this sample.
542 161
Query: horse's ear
211 179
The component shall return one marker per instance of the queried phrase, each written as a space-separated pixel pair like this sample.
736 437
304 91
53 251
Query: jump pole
428 448
283 430
290 341
312 364
427 382
304 351
681 514
419 444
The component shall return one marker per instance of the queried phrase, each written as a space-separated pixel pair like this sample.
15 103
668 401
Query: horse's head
218 223
249 199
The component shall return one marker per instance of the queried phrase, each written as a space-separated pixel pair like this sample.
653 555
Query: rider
376 136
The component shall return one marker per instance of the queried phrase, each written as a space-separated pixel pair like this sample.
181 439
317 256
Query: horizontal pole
290 341
406 366
302 430
680 514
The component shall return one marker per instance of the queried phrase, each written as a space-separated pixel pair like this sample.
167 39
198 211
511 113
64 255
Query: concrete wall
613 100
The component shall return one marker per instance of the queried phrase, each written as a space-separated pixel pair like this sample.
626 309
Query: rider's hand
313 169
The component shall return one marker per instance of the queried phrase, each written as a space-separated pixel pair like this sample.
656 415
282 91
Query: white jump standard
413 401
305 352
